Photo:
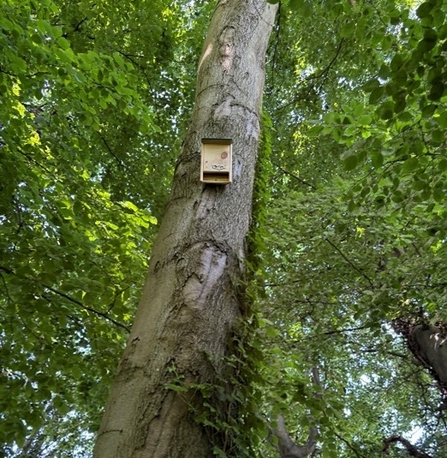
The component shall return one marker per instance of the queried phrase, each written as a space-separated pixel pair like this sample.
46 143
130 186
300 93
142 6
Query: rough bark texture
193 296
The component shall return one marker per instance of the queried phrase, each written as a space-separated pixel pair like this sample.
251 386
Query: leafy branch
74 301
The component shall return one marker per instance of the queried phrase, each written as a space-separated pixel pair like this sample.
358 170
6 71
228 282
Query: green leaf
63 43
410 165
425 9
376 95
396 63
428 111
400 105
350 162
271 332
315 130
386 112
442 165
377 159
442 119
436 90
371 85
177 388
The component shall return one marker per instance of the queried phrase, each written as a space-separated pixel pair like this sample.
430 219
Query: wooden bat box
216 164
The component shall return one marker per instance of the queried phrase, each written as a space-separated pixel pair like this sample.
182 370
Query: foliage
356 230
397 130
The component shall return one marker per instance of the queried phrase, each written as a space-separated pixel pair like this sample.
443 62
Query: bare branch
296 177
326 70
357 454
287 448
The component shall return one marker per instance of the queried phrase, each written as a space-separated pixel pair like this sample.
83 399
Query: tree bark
287 447
194 291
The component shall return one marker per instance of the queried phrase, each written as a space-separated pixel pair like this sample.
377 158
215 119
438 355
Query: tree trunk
428 345
194 291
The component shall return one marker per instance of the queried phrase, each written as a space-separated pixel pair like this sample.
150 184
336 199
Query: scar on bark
287 448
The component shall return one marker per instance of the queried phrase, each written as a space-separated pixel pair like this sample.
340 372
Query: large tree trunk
194 290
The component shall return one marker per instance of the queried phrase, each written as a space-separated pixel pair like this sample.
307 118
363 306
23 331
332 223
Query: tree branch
349 445
325 71
411 449
286 446
74 301
339 331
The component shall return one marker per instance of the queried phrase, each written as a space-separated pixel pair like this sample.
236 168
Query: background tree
350 304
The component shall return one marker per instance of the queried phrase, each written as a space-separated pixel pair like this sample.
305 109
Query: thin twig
332 61
296 177
350 263
85 307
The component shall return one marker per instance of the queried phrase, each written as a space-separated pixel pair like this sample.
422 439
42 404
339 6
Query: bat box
216 164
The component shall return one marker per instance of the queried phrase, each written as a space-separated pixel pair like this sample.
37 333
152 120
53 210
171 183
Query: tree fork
192 296
287 448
